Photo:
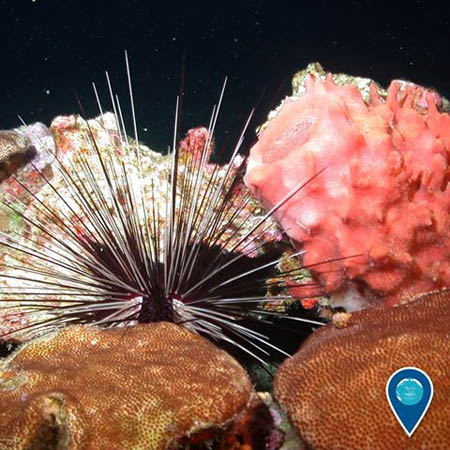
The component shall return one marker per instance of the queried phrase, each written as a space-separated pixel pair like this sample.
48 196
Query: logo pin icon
409 391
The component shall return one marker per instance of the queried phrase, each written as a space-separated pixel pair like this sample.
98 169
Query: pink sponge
383 194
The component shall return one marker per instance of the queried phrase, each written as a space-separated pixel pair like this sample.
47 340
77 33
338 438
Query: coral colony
104 242
345 406
159 410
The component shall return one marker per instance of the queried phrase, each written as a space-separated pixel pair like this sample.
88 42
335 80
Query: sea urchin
109 242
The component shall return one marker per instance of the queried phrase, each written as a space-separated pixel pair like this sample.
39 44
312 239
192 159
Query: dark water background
49 48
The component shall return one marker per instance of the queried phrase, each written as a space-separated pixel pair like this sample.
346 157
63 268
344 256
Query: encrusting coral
150 386
333 388
380 187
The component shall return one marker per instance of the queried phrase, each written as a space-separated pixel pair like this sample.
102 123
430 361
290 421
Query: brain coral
383 192
334 388
133 388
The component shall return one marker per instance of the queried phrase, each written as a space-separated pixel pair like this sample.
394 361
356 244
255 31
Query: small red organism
195 141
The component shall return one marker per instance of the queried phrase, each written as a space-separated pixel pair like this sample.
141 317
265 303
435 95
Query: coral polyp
120 235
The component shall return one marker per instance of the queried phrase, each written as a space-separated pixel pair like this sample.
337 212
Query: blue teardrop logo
409 391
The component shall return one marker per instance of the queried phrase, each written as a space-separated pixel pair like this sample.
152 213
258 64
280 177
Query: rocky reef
373 220
59 177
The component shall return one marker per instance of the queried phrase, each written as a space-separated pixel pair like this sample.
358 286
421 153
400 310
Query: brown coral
334 388
139 387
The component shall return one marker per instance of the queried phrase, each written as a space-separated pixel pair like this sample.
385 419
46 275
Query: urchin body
121 235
